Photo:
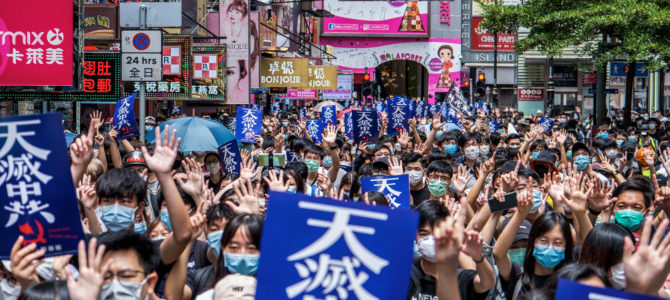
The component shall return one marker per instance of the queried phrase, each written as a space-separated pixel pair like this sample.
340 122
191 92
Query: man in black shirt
415 165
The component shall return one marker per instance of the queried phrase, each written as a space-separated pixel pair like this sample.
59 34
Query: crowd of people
592 202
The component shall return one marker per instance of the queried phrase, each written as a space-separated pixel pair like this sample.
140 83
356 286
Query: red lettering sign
484 41
530 94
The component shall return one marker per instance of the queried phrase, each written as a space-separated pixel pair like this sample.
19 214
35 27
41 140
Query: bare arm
114 149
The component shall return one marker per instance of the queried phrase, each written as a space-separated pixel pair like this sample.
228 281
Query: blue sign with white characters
493 126
570 290
124 118
546 123
290 156
349 125
398 116
248 124
37 195
344 250
366 127
176 110
328 116
315 129
229 154
395 188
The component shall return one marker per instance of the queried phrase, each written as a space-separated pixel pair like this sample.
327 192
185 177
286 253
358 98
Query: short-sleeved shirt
419 196
515 276
423 286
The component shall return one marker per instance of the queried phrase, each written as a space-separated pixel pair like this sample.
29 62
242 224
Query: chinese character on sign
287 67
248 124
328 116
124 118
151 87
174 87
314 129
162 87
399 118
395 188
274 67
230 157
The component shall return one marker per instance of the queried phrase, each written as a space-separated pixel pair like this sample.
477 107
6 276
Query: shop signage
376 18
300 95
100 21
484 41
531 94
322 77
284 72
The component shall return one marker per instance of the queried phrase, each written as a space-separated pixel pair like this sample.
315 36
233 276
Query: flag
124 118
248 124
229 154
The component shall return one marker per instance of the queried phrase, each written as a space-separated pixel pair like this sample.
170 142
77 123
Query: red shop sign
531 94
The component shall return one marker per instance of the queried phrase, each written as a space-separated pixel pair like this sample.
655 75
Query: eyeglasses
440 178
123 275
558 245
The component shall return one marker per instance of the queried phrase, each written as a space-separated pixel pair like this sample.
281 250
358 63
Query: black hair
495 138
512 136
299 181
609 143
147 252
119 183
299 167
603 246
438 156
352 179
254 228
542 225
268 141
47 290
221 210
440 166
538 143
636 184
431 212
185 197
380 147
536 294
466 138
316 150
575 272
378 198
365 170
528 172
414 157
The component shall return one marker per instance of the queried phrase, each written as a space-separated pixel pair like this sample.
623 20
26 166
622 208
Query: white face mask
427 248
472 152
9 291
415 177
122 290
484 150
618 278
213 168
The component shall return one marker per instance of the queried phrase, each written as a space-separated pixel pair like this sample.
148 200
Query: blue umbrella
69 138
197 134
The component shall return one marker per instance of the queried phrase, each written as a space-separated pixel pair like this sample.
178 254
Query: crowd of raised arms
583 202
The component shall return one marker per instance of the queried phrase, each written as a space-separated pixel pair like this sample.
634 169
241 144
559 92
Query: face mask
569 154
312 165
652 126
472 152
285 124
484 150
292 190
327 161
631 219
632 139
561 120
140 228
548 256
439 133
372 146
535 155
122 290
9 291
427 248
451 149
160 238
415 177
214 242
515 146
619 143
117 217
537 201
603 135
245 264
582 162
618 278
437 188
611 153
148 128
165 218
417 253
213 168
517 255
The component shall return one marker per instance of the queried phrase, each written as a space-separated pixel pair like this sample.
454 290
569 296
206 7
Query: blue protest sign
303 112
398 119
290 156
328 116
493 126
315 129
248 124
345 250
366 128
176 110
444 110
38 197
357 104
546 123
256 106
380 107
229 154
432 109
395 188
276 107
349 125
347 103
481 106
412 108
124 118
570 290
420 110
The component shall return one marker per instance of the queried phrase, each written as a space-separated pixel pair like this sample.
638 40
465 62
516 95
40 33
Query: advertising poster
322 77
254 51
284 72
484 41
100 21
376 18
36 44
343 91
234 24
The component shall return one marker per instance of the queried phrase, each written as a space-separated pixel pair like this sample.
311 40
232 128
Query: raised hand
647 268
59 264
509 180
403 139
165 151
329 135
448 236
395 166
437 123
661 194
599 195
276 182
194 178
419 148
96 121
461 180
473 245
247 169
324 181
247 201
665 159
198 221
91 272
23 263
113 134
578 197
524 199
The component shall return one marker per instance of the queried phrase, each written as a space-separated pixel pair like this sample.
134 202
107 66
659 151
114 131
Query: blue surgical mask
214 242
451 149
140 228
537 201
517 255
346 194
582 162
372 146
117 217
569 154
245 264
439 133
548 256
327 161
632 139
292 190
535 155
165 218
619 143
604 135
148 128
417 253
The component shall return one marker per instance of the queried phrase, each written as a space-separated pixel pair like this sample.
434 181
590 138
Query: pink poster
376 18
254 52
300 95
234 25
36 43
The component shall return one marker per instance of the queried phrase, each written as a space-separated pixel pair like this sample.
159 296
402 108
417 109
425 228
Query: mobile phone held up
510 202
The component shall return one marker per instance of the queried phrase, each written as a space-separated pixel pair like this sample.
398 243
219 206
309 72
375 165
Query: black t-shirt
423 286
421 195
515 276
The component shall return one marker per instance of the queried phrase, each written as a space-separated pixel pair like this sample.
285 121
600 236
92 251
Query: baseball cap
524 229
235 286
381 163
150 120
134 158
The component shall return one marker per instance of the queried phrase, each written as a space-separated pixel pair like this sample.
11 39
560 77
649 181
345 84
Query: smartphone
496 206
278 160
